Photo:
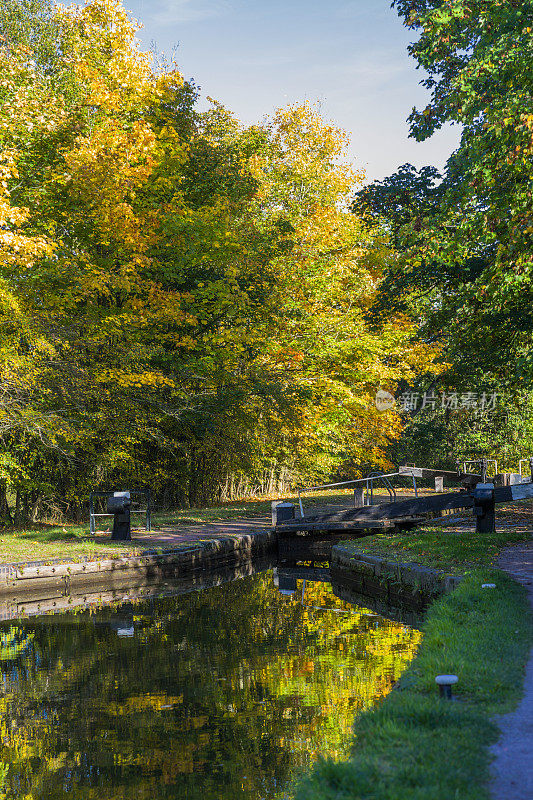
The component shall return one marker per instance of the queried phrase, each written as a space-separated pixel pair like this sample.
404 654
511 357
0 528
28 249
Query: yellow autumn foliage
181 283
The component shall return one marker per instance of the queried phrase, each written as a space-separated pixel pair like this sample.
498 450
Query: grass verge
439 548
415 746
41 542
46 542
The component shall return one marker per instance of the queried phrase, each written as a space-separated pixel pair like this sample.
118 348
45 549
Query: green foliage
32 24
442 436
465 260
405 198
456 552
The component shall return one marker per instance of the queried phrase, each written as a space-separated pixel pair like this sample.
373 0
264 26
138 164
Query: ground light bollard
445 683
119 505
484 508
282 512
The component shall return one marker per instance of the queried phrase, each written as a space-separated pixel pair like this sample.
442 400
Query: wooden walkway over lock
482 495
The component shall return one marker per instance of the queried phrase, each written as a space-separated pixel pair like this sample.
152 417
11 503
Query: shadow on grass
49 542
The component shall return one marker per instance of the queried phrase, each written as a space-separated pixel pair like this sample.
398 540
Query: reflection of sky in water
218 694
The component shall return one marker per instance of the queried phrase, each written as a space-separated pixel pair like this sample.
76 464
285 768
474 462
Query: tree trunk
5 511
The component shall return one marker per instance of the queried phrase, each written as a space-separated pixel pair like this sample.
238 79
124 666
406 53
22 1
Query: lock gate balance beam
407 513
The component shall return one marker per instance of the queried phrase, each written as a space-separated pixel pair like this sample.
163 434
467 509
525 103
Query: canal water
219 694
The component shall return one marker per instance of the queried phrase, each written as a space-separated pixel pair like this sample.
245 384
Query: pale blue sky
349 55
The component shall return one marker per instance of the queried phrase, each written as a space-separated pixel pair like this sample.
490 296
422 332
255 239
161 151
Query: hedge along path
513 765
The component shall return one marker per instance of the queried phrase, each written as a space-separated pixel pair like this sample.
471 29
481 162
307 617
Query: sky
349 56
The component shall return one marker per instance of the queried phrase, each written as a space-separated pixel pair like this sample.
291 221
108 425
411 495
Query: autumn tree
187 296
328 278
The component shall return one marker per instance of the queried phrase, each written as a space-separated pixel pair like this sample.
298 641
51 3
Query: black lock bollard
119 505
484 507
285 584
282 512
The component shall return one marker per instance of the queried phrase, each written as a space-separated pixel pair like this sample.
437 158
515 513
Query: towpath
513 764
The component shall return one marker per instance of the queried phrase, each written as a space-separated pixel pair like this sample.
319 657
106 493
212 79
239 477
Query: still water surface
225 693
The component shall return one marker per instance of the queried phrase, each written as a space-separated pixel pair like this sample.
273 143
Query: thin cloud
268 60
356 9
167 13
378 71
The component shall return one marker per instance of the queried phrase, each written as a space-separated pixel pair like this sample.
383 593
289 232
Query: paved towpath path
172 536
513 765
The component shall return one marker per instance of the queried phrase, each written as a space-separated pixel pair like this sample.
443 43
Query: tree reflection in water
219 694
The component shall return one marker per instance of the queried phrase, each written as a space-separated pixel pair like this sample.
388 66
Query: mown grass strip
440 548
416 746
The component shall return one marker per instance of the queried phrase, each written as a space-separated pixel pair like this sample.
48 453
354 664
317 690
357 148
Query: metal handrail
345 483
527 460
368 481
480 461
386 482
391 489
93 514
